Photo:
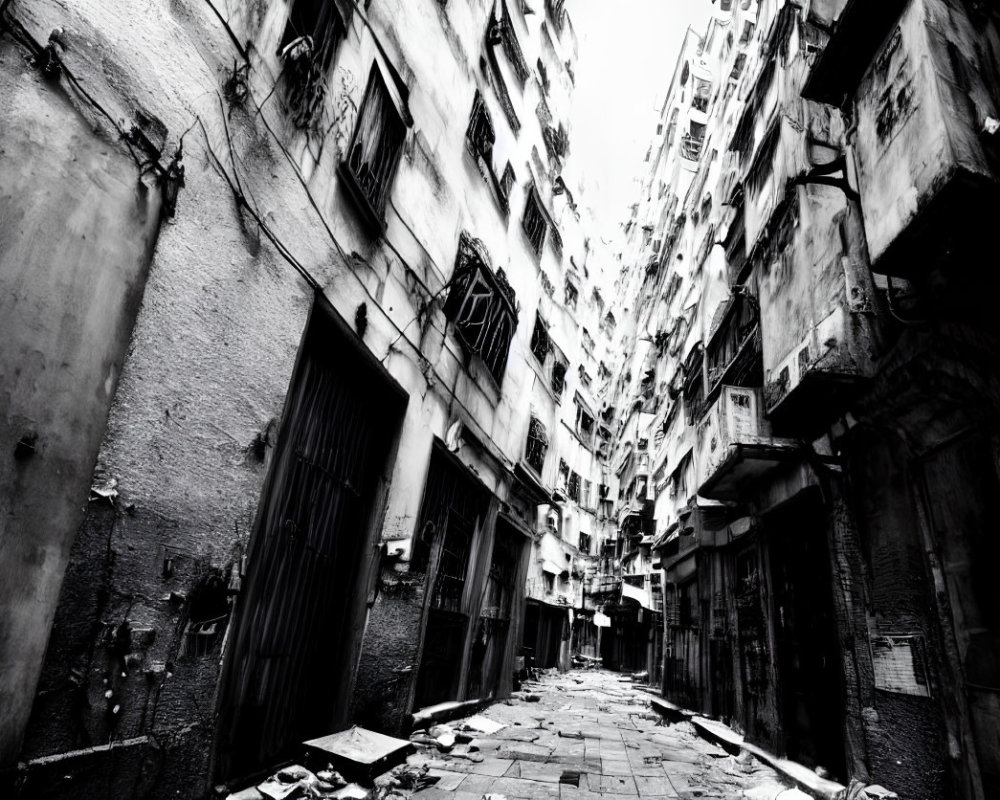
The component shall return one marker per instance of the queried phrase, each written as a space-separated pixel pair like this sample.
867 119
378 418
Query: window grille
482 306
481 134
537 445
533 222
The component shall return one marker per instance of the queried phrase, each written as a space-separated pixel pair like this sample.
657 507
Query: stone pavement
589 734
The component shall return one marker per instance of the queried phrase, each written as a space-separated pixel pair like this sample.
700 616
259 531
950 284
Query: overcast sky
627 51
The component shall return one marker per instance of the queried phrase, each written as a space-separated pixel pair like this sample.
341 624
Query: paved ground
593 729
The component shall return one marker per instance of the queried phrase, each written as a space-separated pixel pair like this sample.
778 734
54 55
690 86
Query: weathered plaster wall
77 229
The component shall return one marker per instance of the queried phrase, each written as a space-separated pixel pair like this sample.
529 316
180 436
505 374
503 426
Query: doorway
299 619
453 515
963 495
810 694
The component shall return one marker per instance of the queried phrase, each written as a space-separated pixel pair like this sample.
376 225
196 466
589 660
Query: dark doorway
963 494
287 674
489 645
454 512
808 657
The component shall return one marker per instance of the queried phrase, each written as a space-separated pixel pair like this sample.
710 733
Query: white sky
627 51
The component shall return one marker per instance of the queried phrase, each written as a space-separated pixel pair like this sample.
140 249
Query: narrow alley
371 364
579 735
589 734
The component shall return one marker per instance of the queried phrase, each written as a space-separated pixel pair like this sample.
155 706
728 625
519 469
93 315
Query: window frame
372 209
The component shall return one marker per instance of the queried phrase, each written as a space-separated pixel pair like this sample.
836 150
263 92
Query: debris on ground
295 782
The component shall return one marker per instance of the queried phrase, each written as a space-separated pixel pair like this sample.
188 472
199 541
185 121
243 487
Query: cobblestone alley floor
591 734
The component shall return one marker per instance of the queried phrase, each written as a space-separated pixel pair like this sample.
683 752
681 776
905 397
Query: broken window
559 378
373 155
533 223
571 295
481 304
481 135
311 35
537 445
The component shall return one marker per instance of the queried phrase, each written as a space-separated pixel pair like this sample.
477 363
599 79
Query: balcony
733 354
925 172
735 448
816 326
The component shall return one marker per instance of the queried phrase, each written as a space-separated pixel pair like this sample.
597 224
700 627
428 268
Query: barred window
537 445
573 487
482 306
373 155
533 222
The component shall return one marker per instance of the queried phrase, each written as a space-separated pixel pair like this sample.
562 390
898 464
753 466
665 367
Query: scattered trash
482 724
296 781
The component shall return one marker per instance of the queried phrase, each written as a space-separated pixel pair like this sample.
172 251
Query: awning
552 567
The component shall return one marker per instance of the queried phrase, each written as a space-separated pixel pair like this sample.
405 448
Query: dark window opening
481 304
537 445
507 184
694 385
511 47
584 425
311 36
533 223
585 543
559 378
375 148
481 135
541 344
588 341
573 487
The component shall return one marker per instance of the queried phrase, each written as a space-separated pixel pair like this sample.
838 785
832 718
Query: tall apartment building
810 403
305 345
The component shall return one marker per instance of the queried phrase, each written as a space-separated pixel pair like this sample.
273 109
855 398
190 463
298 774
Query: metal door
287 672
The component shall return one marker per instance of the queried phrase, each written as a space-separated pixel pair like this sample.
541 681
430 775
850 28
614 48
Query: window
537 445
585 379
307 46
584 424
573 487
559 378
541 345
571 296
585 542
373 155
563 475
588 341
481 304
481 135
547 286
748 28
507 184
533 223
694 385
598 301
511 47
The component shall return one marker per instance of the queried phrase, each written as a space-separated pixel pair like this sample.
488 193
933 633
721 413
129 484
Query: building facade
306 344
812 374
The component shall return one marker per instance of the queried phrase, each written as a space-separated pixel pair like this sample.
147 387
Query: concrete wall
77 228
